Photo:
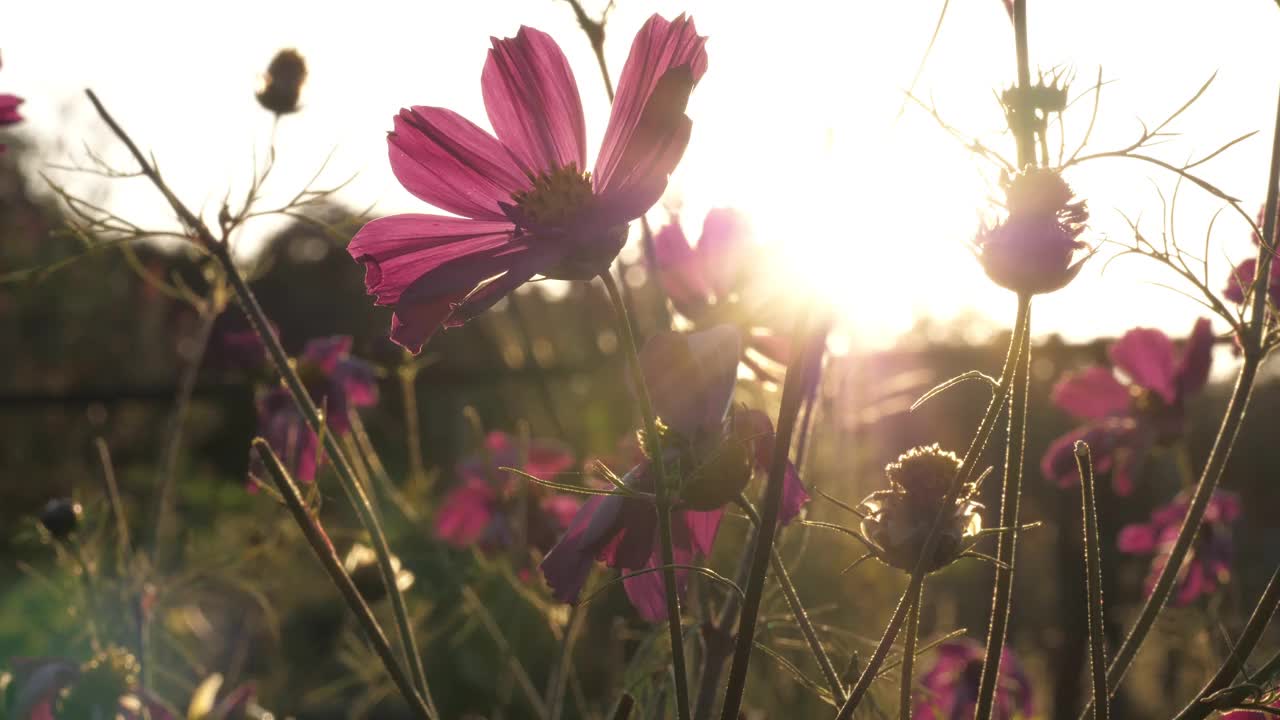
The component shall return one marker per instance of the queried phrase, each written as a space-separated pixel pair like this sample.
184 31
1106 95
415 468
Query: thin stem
123 543
513 661
1007 543
1024 132
408 374
306 407
909 644
560 671
812 345
1093 585
164 525
323 549
798 612
718 637
963 476
1262 612
1252 347
661 499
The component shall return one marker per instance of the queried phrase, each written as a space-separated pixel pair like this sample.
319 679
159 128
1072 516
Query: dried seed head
282 84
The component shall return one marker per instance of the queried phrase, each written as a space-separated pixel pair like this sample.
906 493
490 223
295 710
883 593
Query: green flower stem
323 549
662 500
909 644
1010 504
1253 342
812 345
258 320
1093 585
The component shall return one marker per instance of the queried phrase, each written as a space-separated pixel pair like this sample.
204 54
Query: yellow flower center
556 197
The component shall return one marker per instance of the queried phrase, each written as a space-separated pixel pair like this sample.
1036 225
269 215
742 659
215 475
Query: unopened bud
282 84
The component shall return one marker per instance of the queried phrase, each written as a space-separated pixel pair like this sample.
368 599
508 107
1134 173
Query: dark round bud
282 84
61 517
724 474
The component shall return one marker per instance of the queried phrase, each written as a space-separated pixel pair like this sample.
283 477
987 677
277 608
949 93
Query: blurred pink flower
690 379
1252 714
1242 275
1208 565
949 688
336 382
1125 420
1031 251
9 114
528 206
709 283
482 510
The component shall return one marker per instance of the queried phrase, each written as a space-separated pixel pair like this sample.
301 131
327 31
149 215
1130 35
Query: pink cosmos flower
1031 252
336 382
1242 275
709 283
1126 419
1251 714
1208 565
483 510
949 689
690 380
528 206
9 111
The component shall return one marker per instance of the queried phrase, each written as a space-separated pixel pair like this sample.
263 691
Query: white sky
795 122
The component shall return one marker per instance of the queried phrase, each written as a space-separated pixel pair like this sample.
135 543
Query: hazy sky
796 121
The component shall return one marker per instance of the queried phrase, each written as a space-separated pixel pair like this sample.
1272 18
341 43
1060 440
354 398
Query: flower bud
898 519
282 84
361 563
1031 251
726 471
61 517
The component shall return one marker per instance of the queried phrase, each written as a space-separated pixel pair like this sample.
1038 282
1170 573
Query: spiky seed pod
898 519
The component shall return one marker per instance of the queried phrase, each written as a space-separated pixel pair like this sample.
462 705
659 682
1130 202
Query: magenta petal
357 380
562 509
547 459
567 565
533 103
725 247
1241 278
1197 356
399 249
680 269
660 46
1091 394
647 592
1059 461
691 377
9 109
701 526
324 353
794 496
465 513
447 161
1147 356
654 149
1138 539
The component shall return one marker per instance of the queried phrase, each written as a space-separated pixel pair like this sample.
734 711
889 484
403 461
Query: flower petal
725 247
1091 394
547 459
1059 461
1241 278
325 352
567 565
647 592
447 161
1136 539
1193 368
680 269
701 526
9 109
1147 356
660 46
691 377
465 513
533 103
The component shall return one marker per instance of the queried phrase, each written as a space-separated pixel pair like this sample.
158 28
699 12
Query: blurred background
801 123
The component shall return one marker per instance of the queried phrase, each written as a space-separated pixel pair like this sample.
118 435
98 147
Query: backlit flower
1032 250
949 688
1253 714
1241 279
9 114
713 282
491 508
713 445
1125 420
336 382
1208 566
528 206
